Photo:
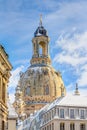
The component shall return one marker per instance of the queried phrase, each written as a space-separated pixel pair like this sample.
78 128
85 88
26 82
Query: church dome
40 31
43 83
40 83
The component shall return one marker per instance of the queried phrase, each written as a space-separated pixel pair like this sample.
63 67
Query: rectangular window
3 125
50 116
82 127
61 113
58 111
45 119
82 114
72 126
67 112
52 113
62 126
71 113
45 128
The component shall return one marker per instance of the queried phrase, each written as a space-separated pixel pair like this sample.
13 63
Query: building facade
5 68
41 83
65 113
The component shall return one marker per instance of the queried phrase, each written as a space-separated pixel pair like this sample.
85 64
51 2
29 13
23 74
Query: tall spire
40 24
40 31
76 90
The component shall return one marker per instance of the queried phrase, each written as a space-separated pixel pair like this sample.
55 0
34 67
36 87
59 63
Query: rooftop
70 100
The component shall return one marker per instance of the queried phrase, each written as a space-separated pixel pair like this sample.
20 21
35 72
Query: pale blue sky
66 23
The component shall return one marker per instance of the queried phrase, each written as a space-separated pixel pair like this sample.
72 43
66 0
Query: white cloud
67 15
12 97
22 61
81 91
82 81
15 77
73 48
13 82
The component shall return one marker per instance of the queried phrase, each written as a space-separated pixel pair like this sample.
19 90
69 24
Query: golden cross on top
40 19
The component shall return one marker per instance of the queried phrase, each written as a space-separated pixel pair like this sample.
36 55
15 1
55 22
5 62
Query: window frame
62 115
72 113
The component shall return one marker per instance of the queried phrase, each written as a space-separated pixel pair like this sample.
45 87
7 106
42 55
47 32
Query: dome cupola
40 43
40 31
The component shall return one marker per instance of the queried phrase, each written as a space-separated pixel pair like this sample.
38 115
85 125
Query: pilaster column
67 126
86 126
56 125
6 93
0 121
47 49
77 126
0 87
56 114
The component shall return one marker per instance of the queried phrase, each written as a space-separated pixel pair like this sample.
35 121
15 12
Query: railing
40 55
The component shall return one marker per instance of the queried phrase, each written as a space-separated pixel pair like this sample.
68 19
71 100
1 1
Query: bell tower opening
42 49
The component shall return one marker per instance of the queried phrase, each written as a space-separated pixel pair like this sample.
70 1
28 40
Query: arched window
27 91
40 51
72 126
42 48
47 90
62 126
82 127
